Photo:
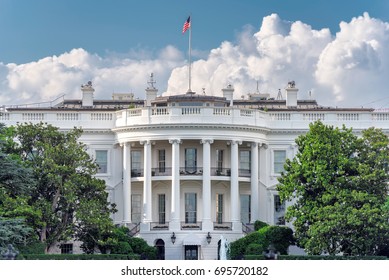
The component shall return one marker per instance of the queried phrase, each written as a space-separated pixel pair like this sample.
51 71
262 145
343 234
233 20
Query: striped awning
191 239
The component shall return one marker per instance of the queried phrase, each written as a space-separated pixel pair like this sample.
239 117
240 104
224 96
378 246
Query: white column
126 183
147 194
207 222
264 166
235 211
254 183
175 200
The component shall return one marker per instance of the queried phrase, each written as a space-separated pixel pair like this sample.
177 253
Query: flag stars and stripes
186 25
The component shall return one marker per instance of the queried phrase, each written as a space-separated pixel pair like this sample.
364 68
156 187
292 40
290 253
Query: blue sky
335 49
30 30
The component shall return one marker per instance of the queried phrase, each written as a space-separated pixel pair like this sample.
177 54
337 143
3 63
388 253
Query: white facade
190 166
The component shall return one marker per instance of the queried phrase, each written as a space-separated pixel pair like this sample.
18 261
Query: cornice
191 126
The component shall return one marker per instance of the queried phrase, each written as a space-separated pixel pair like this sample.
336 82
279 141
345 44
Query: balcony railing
191 226
191 171
220 171
159 226
159 171
222 226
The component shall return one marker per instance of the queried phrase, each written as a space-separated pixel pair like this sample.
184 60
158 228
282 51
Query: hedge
78 257
291 257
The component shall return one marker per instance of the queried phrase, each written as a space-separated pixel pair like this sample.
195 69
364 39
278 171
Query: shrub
259 224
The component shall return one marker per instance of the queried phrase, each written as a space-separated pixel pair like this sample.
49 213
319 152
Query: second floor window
219 160
279 160
245 160
136 162
191 160
161 161
102 160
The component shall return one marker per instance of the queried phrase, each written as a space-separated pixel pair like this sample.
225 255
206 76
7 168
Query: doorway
191 252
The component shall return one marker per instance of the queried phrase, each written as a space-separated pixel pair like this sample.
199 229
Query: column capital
206 141
264 145
125 144
145 142
255 144
238 142
175 141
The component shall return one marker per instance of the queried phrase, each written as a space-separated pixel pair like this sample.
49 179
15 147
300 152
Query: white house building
186 170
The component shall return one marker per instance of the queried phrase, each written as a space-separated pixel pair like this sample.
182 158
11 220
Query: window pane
161 208
190 160
245 160
245 208
279 161
102 160
161 161
136 163
190 208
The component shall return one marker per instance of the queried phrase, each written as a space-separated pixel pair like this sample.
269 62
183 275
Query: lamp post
10 253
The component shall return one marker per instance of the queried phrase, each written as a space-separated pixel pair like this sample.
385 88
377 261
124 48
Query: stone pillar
235 211
126 183
207 222
147 190
254 183
175 200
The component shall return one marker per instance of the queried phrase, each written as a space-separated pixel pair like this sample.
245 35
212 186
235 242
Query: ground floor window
136 208
191 252
245 208
67 248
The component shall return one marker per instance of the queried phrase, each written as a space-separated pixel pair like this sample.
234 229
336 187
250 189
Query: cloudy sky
337 50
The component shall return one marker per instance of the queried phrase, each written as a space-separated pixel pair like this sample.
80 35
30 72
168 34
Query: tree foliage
280 237
338 185
69 199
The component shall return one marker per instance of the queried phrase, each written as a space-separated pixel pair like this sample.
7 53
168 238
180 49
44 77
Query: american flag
186 25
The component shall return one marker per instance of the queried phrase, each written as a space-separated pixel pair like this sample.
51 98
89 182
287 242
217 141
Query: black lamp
173 238
209 238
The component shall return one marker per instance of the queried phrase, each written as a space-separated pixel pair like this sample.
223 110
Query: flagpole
190 55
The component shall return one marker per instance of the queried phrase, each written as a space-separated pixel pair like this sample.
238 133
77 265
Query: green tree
338 185
16 183
66 194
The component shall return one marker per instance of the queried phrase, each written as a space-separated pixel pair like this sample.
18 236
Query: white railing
198 115
67 116
101 116
313 116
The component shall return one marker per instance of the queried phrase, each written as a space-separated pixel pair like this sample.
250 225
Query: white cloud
349 68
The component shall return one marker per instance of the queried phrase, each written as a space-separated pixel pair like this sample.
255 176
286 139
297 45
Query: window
245 208
190 208
279 161
102 160
161 161
190 160
136 163
278 206
67 248
219 208
136 208
245 162
219 160
161 209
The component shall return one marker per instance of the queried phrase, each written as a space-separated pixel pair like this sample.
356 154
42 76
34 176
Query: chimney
87 94
151 91
291 94
228 93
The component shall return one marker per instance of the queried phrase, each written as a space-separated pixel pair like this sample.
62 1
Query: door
191 252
